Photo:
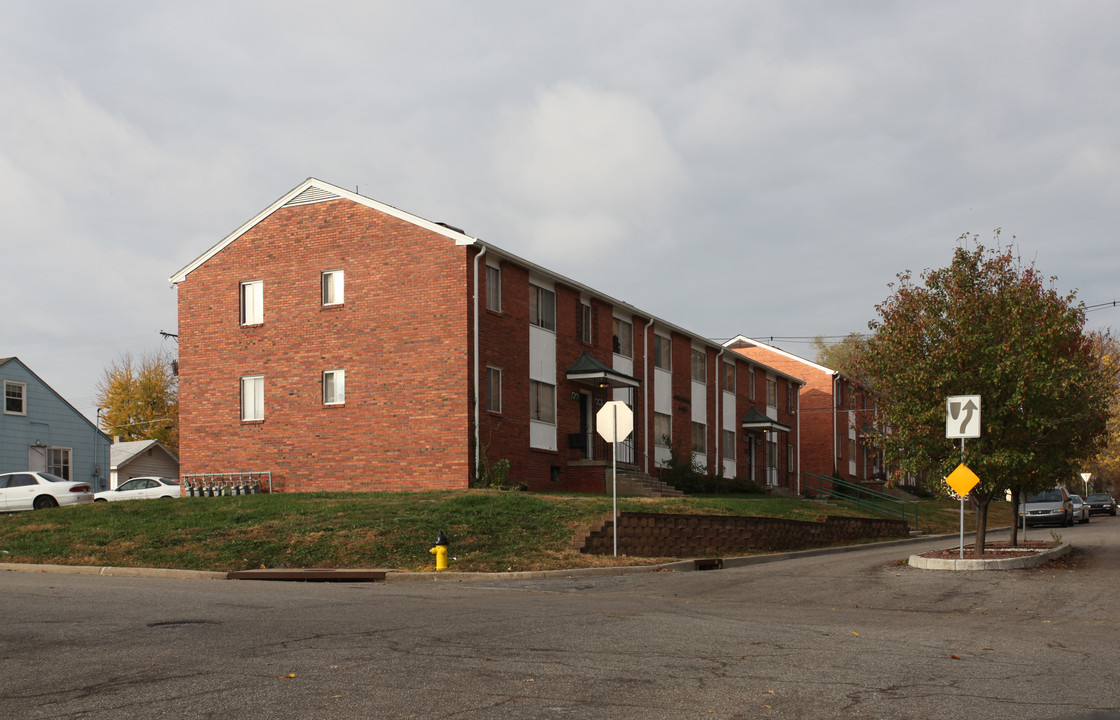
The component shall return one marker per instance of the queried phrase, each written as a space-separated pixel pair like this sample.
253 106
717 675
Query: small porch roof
589 371
757 421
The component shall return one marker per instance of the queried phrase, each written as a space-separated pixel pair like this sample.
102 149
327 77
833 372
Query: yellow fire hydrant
440 551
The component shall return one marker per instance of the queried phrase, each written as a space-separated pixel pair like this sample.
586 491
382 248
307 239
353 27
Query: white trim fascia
459 237
783 353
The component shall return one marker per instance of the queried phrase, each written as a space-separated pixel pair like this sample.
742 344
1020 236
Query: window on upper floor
542 307
729 377
663 352
252 398
494 389
750 383
493 288
15 398
586 327
542 402
699 366
252 302
333 287
791 396
622 337
334 387
771 392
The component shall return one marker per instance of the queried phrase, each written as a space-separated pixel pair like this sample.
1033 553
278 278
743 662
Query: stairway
632 482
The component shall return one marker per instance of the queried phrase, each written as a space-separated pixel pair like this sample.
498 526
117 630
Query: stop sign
614 421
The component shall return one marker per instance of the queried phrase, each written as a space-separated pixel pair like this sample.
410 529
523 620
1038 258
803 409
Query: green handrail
876 502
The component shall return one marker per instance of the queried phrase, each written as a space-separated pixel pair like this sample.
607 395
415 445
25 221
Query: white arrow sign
962 416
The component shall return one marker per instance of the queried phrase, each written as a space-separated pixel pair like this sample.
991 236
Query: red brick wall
667 535
401 337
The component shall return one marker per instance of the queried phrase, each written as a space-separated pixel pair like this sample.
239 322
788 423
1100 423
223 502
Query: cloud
581 169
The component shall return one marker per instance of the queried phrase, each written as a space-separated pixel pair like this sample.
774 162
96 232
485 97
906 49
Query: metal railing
873 501
227 483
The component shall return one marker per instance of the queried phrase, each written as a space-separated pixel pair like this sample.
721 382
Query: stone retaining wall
665 535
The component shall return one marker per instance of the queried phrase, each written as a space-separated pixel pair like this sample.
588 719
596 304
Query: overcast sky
763 168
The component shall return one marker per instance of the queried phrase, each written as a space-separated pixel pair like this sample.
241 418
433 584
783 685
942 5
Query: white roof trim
779 351
310 191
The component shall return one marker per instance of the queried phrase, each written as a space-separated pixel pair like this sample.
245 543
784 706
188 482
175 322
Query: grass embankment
488 530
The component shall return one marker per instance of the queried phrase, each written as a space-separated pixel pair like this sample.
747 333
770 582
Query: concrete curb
1011 563
114 571
689 565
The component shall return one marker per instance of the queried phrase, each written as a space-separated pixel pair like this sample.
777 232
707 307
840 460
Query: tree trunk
981 523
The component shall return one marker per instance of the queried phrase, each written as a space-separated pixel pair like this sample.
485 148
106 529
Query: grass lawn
489 530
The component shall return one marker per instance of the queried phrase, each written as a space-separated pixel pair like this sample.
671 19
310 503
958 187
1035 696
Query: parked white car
1081 512
142 488
39 490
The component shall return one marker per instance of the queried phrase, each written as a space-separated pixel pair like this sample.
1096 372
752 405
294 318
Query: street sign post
614 422
962 480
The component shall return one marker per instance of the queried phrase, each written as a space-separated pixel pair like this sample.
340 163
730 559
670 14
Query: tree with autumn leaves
991 326
139 399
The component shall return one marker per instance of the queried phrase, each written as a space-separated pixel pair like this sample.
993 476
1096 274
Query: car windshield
1046 496
1099 497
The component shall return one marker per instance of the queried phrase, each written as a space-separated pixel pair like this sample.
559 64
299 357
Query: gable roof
123 453
744 341
5 361
312 191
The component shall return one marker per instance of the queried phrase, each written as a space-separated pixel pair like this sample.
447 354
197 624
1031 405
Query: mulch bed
992 550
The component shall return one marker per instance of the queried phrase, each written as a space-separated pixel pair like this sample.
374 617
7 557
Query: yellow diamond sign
962 480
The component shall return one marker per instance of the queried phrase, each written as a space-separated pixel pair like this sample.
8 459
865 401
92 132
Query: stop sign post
614 422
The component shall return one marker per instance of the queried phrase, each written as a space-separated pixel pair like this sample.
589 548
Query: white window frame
22 397
252 398
662 352
542 307
662 429
622 337
771 392
699 366
60 462
729 445
334 387
542 402
729 377
699 438
494 288
333 287
493 389
252 302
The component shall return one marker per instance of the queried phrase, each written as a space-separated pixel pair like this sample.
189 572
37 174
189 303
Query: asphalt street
858 634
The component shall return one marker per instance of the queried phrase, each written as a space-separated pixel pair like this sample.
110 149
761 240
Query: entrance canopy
589 371
756 421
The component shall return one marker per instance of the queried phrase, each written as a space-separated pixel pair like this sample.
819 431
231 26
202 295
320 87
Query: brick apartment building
836 413
338 343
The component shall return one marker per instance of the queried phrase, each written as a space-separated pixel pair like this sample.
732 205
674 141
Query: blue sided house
40 431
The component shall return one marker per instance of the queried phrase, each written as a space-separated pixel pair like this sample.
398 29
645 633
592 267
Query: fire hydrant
440 551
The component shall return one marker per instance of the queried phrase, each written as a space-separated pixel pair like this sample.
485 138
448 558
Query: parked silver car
1049 507
1080 509
39 490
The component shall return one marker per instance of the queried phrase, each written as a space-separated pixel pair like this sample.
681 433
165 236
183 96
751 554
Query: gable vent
312 195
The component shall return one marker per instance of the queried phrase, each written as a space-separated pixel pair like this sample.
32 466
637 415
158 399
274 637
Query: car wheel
100 500
44 501
1069 522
